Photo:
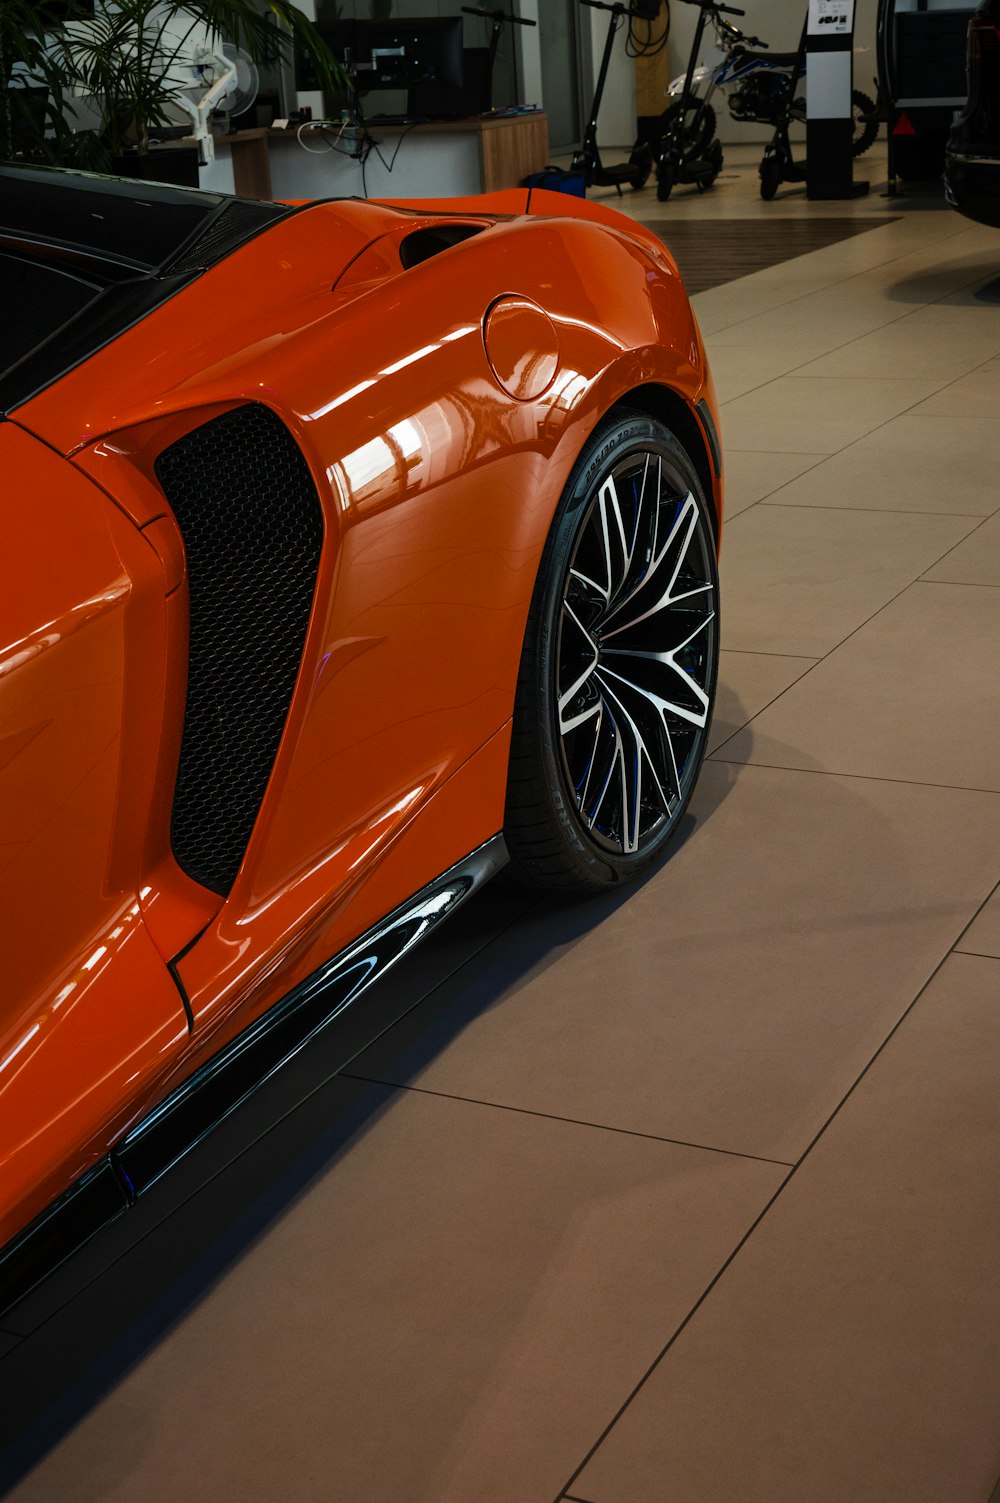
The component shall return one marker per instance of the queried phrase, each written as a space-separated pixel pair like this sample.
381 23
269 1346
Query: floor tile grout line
795 371
791 303
992 893
711 756
798 368
862 376
599 1442
961 541
842 281
872 334
831 772
959 584
493 938
525 1111
851 442
766 453
796 657
728 521
933 244
816 663
765 501
278 1121
637 1388
883 607
750 1231
873 511
779 307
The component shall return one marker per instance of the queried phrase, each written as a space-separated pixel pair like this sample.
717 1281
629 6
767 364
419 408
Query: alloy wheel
636 652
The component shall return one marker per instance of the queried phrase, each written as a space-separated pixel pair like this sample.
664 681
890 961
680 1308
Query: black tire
608 739
715 158
770 177
866 122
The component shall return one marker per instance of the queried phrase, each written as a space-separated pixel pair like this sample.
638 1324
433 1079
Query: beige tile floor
687 1196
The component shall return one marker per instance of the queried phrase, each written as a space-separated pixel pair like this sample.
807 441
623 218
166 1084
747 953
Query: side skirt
190 1112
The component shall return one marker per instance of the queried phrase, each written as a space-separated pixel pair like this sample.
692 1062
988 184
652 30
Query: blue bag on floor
557 180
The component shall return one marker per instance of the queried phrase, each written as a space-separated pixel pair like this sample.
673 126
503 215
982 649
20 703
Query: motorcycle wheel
865 121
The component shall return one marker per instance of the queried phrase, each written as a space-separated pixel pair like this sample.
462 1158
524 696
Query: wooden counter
509 148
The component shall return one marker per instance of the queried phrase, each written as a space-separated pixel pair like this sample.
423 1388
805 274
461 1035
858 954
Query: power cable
652 42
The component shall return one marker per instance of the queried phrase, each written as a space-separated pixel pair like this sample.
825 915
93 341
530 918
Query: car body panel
88 1012
438 489
440 402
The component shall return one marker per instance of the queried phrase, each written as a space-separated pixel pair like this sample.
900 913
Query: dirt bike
756 84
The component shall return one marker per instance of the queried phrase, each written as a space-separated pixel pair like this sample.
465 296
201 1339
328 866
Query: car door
89 1015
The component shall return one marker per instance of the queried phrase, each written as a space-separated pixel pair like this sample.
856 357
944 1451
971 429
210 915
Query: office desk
441 159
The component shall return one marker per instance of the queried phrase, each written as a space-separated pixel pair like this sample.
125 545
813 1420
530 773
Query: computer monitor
475 97
397 54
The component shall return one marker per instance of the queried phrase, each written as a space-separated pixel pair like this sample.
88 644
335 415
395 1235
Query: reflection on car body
353 550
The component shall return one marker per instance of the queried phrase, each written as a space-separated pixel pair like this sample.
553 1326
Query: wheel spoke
697 716
664 566
589 588
591 656
643 758
583 790
617 554
636 658
603 763
636 652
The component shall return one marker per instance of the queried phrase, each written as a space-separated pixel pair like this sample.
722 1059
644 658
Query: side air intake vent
431 241
253 529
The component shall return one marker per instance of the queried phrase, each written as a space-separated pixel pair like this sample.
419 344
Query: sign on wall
831 17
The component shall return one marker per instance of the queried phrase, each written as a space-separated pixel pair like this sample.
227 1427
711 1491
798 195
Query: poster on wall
831 17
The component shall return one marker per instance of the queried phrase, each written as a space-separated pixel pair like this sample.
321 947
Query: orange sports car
351 551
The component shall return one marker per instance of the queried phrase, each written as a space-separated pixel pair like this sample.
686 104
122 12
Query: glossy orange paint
440 410
88 1014
522 347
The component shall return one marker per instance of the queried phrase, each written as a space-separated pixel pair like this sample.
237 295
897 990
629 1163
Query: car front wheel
618 670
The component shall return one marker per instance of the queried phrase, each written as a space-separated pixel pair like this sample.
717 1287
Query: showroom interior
686 1192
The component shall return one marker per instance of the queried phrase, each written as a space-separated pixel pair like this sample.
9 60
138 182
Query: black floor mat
712 251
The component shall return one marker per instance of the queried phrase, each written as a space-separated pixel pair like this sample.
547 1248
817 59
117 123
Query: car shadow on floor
975 282
106 1311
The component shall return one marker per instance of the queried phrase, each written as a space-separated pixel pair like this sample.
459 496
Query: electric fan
230 81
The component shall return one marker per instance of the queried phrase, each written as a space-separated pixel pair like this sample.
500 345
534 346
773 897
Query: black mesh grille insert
252 526
238 222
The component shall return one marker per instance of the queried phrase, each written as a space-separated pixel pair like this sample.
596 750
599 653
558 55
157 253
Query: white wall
616 122
529 56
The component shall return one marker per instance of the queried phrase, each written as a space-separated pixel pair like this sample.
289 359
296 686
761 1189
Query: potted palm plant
34 80
128 66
